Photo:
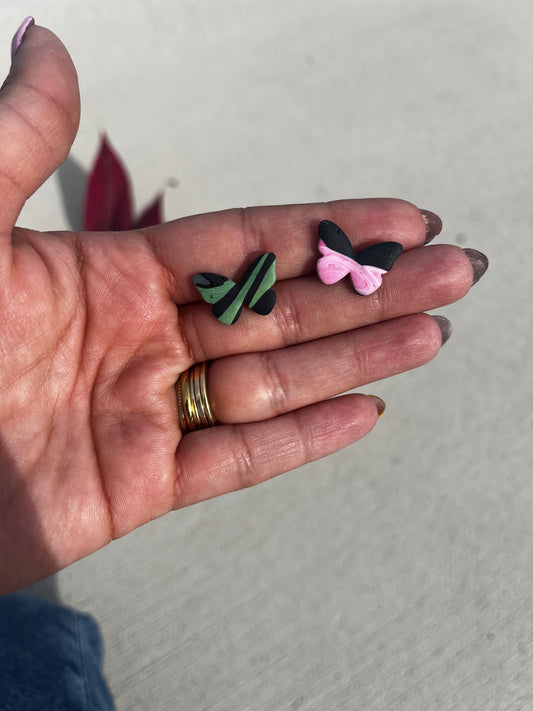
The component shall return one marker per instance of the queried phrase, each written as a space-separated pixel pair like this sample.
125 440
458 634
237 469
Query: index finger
224 242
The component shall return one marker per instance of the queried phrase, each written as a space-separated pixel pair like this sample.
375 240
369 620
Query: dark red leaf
108 196
153 214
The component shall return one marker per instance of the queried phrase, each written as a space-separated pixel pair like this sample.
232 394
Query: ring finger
258 386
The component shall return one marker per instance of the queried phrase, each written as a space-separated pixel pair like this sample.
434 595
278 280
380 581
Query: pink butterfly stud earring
366 268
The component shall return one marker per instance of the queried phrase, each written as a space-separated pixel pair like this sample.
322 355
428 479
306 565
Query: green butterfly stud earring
254 290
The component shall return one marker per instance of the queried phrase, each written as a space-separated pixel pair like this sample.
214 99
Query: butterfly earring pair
366 269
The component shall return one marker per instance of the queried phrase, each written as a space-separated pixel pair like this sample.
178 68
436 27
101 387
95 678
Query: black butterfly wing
382 255
334 238
265 303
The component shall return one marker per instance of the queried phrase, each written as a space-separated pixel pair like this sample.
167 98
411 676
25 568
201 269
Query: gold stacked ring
194 409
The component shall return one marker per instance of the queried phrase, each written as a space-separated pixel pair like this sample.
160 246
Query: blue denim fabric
50 658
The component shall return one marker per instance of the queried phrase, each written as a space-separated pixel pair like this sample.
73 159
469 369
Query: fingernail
18 37
433 225
445 328
378 402
479 262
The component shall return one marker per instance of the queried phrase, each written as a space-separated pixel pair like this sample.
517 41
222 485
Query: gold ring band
194 409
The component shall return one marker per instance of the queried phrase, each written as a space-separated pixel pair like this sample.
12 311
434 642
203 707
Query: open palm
96 327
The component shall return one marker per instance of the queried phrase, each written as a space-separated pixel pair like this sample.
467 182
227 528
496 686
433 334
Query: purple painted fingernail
445 328
379 403
433 225
18 38
479 262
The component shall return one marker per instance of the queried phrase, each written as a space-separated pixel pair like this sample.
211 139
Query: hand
95 329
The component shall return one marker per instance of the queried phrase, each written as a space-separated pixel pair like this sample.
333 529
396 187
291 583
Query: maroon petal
108 196
152 215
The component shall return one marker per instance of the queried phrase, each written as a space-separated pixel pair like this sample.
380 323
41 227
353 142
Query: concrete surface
397 574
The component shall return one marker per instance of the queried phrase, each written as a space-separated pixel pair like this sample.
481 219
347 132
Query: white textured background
396 575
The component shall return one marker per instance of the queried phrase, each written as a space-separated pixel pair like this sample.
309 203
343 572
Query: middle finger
422 279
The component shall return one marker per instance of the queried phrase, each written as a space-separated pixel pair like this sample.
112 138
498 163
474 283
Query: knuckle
275 386
190 335
251 232
244 462
306 440
289 323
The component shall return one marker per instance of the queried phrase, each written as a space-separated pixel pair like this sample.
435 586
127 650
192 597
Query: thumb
39 116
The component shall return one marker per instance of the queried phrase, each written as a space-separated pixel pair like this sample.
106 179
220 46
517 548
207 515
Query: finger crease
244 465
11 180
307 439
32 126
62 110
277 389
191 335
288 322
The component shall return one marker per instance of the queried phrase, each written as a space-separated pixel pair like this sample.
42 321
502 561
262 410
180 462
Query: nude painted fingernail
445 328
479 262
433 225
378 402
19 35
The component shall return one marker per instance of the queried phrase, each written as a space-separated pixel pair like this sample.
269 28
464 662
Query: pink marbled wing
333 267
